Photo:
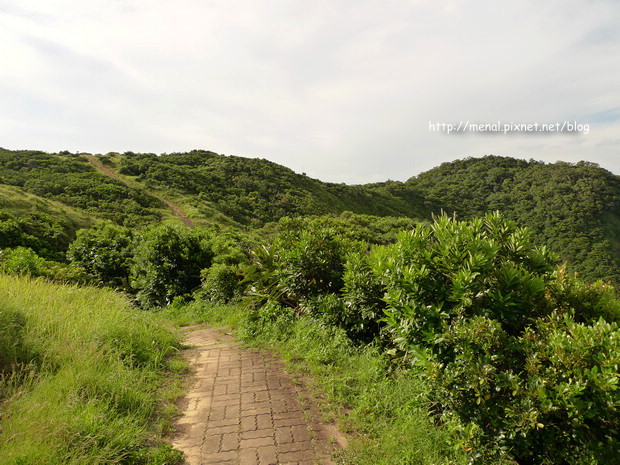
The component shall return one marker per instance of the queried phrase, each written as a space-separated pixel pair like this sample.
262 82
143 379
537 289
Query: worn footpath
243 409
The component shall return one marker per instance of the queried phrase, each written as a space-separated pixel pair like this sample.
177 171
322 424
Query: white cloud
341 90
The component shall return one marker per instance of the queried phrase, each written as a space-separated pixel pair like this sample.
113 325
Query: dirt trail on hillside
175 209
243 409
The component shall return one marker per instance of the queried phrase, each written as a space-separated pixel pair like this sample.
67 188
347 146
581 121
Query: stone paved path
243 409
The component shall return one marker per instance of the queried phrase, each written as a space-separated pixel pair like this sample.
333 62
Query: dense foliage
167 263
572 209
104 252
522 354
471 302
39 232
71 179
25 261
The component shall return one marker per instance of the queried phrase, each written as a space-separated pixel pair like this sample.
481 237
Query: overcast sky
344 91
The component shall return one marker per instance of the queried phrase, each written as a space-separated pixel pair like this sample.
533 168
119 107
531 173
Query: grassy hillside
256 191
46 226
572 209
72 180
79 373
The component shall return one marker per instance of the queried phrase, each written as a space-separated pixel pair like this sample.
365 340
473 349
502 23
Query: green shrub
329 309
309 260
440 274
566 408
105 253
167 263
221 283
303 262
230 247
588 302
272 321
262 278
24 261
479 306
40 232
224 280
362 294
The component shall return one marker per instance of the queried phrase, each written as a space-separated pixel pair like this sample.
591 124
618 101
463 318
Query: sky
351 91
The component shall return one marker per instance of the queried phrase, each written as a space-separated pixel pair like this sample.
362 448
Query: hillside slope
73 181
44 225
255 191
572 209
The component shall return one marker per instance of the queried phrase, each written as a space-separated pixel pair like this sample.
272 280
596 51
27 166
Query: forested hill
255 191
573 209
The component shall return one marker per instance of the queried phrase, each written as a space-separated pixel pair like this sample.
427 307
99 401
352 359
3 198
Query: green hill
572 209
73 181
254 191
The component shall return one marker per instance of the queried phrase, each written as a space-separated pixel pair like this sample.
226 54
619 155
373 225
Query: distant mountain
572 209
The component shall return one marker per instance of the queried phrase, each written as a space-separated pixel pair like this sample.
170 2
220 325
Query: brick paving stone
257 433
256 442
217 413
211 444
295 446
264 421
299 456
248 457
289 421
220 458
284 435
248 423
233 412
256 409
242 409
267 455
230 441
225 422
261 396
300 433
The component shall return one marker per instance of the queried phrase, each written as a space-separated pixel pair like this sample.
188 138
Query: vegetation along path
244 409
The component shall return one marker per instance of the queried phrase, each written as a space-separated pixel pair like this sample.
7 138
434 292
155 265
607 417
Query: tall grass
80 372
386 410
22 204
199 311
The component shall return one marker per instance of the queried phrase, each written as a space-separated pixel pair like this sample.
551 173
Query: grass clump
81 372
184 313
385 409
